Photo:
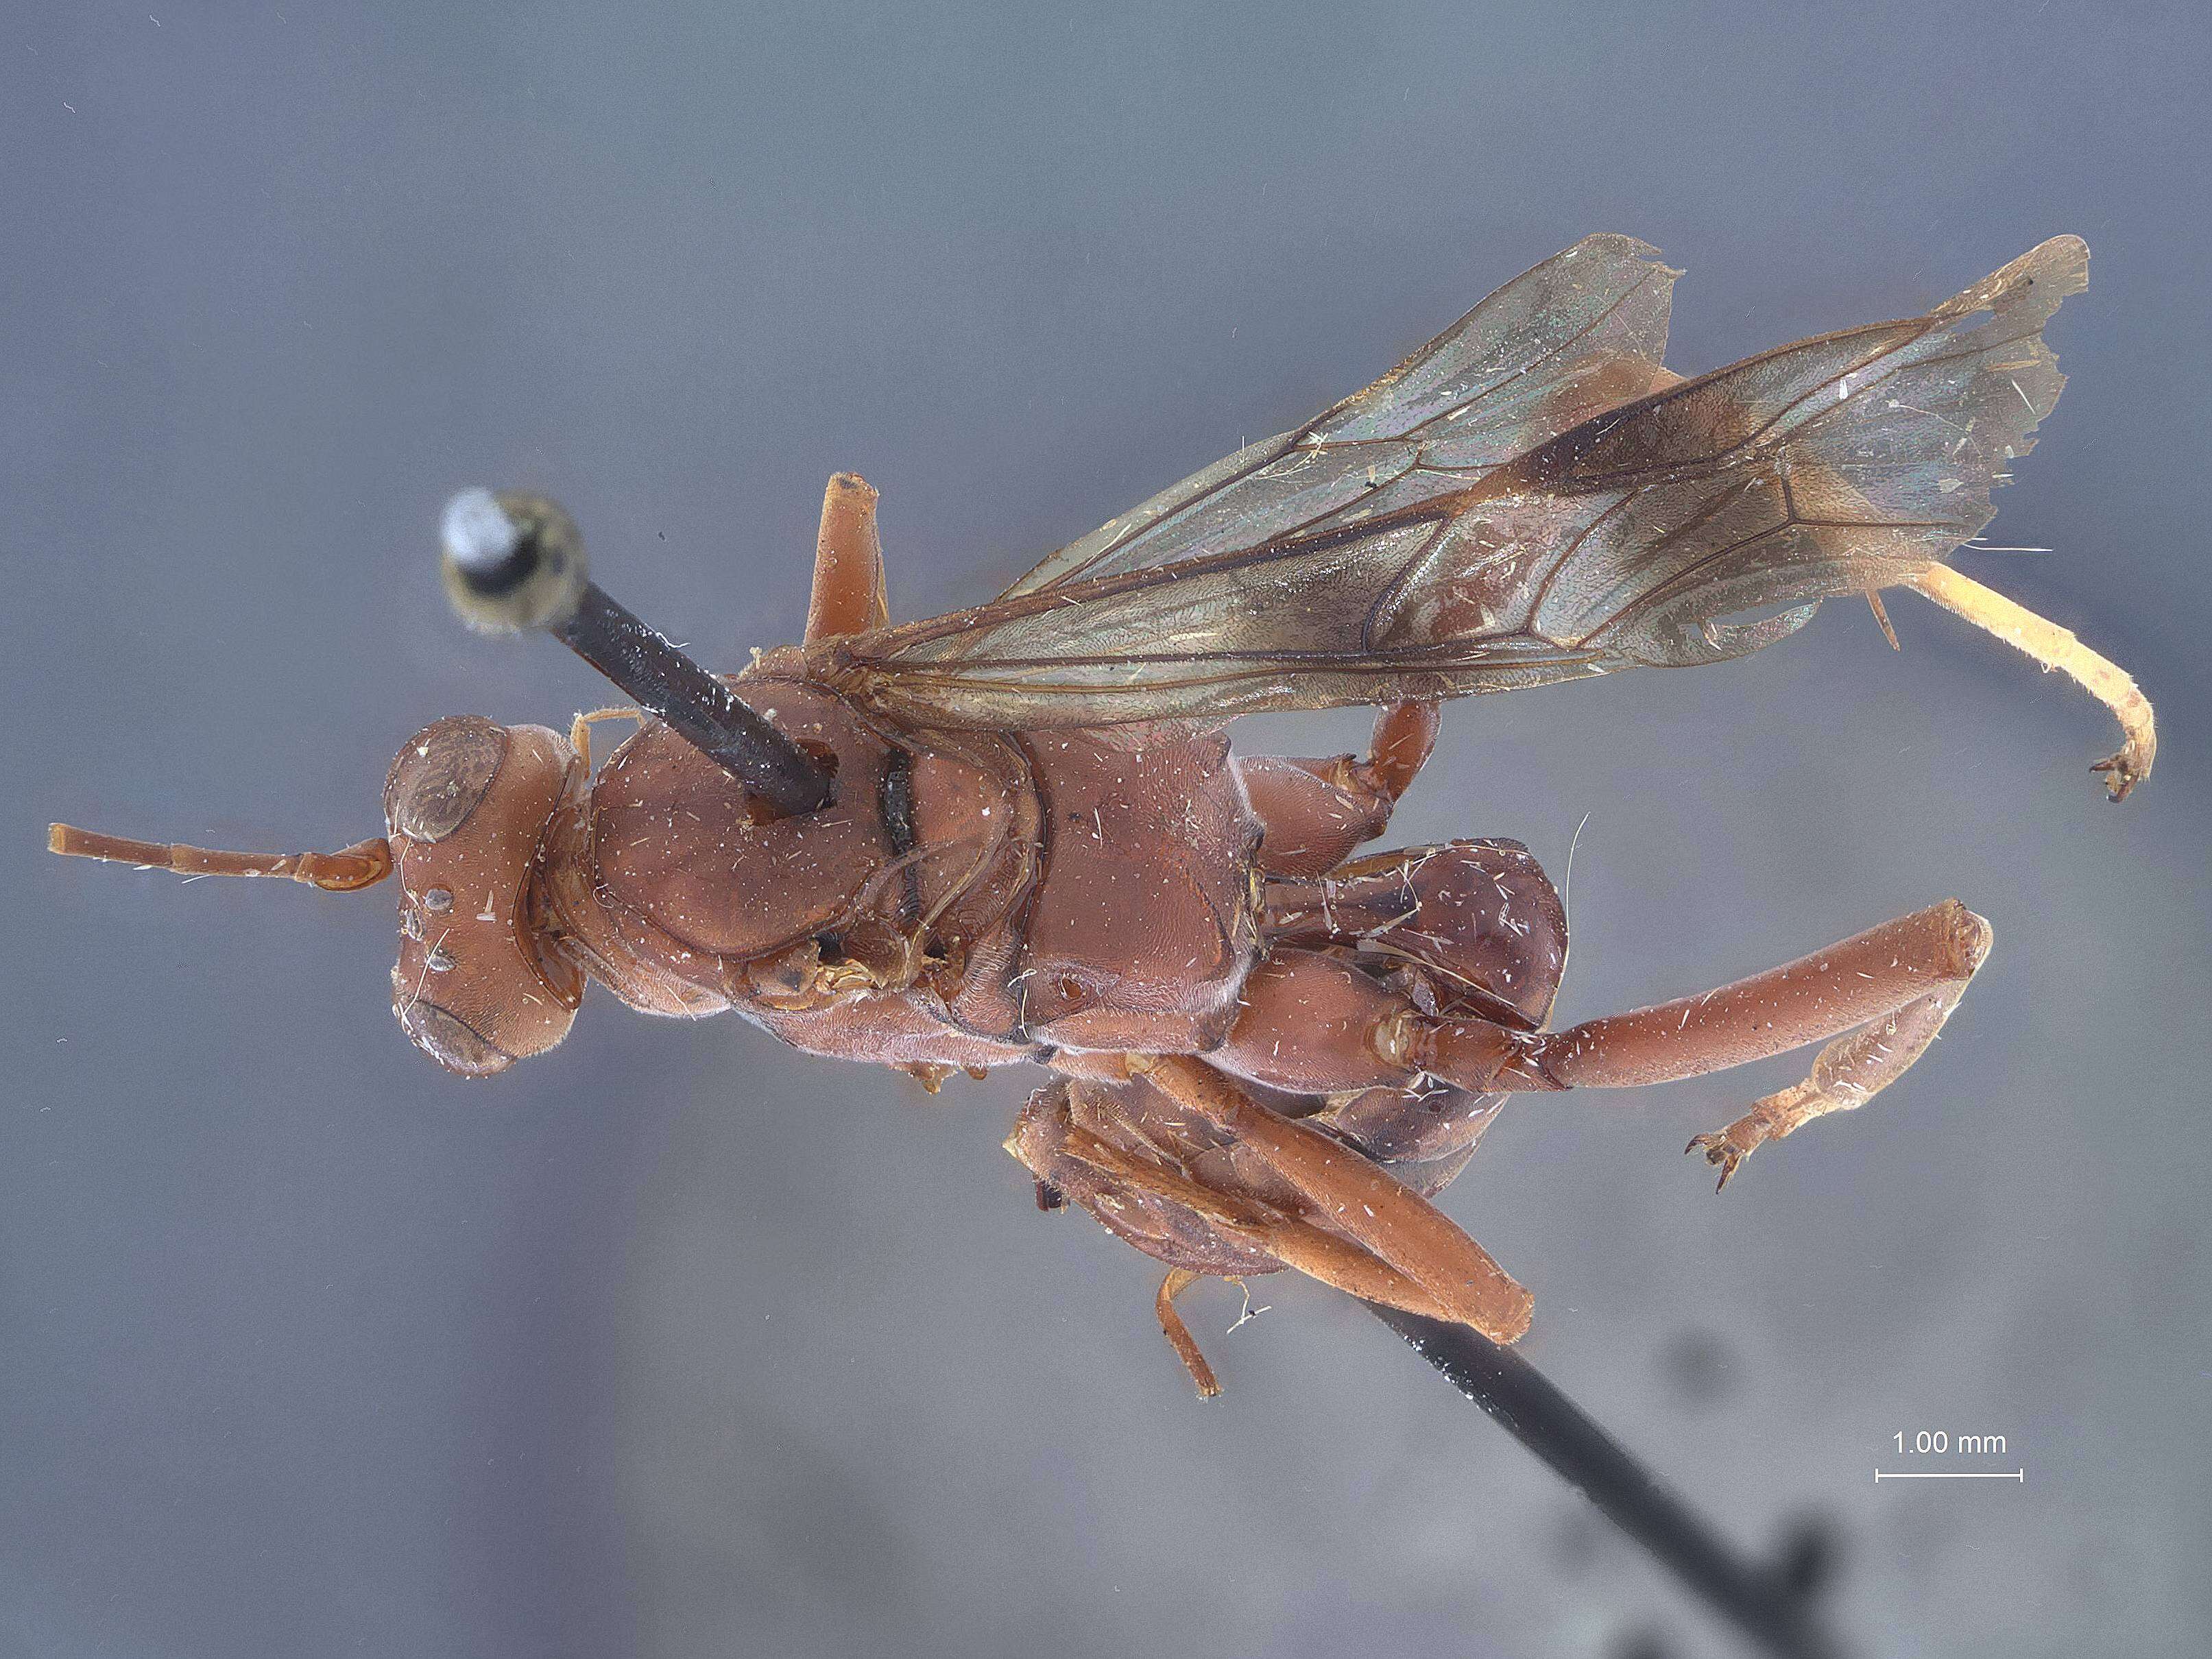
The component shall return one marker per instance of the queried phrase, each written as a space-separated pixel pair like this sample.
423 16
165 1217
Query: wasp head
477 985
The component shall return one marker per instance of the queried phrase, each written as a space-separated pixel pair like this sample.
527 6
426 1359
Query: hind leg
2054 646
1468 927
1477 921
1313 1023
1186 1347
1881 995
1367 1233
1198 1174
1424 1134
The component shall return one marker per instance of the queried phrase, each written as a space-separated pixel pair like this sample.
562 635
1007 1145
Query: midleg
2054 646
1313 811
848 563
1882 995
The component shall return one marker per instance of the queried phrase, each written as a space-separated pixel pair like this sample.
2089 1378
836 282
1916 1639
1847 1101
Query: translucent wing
1469 524
1583 331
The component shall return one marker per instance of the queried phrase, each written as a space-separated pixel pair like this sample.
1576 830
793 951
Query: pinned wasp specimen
1017 832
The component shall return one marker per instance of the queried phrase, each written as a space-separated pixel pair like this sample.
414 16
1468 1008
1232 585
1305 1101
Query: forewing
1432 537
1581 332
1840 464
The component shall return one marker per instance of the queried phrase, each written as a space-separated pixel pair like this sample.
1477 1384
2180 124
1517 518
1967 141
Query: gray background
677 1343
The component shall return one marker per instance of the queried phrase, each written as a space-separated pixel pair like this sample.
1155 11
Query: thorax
966 899
673 889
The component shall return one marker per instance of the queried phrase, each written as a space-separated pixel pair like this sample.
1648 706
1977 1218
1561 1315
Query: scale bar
2020 1475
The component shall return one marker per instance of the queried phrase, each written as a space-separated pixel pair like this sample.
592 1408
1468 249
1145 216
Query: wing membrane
1580 333
1515 504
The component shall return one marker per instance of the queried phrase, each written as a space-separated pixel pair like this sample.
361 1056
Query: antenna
361 865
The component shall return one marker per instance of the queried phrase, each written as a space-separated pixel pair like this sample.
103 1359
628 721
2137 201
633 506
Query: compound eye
437 780
511 561
449 1040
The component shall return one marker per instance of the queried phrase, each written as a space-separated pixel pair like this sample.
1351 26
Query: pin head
511 561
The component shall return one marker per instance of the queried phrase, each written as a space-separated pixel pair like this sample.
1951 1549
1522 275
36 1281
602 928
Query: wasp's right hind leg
1098 1146
848 563
1313 811
1423 1133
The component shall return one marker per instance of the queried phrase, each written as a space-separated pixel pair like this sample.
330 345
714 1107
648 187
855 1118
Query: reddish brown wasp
1018 833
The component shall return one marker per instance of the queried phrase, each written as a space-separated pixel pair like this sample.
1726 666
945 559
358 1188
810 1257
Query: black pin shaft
659 677
1758 1599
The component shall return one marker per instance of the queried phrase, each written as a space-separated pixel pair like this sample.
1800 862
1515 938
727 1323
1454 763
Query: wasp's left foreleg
579 729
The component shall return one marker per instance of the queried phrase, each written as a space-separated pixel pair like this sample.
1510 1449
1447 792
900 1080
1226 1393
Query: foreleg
579 729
